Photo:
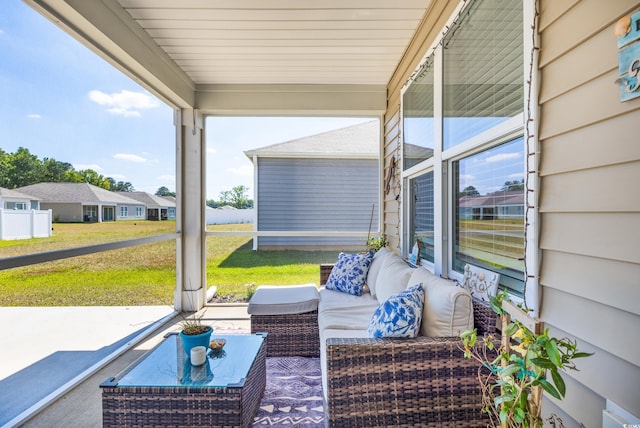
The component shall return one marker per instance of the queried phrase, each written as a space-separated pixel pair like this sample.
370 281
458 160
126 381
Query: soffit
286 42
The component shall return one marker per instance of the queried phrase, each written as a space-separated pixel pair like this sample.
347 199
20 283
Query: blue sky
62 101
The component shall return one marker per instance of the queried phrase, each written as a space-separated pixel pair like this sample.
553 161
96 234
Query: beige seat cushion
332 299
448 310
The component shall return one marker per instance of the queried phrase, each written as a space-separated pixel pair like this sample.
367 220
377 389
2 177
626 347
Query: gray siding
317 195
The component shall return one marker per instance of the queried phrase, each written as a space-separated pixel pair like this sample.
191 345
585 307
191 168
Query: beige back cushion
374 270
448 310
393 277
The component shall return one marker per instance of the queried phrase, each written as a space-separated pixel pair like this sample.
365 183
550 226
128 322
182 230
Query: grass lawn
142 275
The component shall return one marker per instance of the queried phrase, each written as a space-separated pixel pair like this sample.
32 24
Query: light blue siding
317 194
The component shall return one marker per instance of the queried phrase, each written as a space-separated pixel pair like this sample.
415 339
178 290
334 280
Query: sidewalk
50 351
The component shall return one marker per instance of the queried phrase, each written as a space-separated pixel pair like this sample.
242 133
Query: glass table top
167 365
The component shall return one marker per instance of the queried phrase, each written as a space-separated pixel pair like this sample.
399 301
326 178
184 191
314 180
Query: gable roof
151 201
76 192
8 193
361 141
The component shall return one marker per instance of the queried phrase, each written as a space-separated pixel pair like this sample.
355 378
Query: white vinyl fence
229 216
25 224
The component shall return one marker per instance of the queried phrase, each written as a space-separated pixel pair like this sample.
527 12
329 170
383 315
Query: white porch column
190 292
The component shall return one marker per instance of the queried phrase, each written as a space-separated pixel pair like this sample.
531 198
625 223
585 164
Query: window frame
442 161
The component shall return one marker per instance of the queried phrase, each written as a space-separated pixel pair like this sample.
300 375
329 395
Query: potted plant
519 372
375 243
194 333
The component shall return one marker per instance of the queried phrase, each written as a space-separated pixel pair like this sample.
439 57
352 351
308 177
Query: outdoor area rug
293 396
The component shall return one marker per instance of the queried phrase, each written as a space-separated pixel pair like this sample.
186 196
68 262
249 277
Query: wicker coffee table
163 389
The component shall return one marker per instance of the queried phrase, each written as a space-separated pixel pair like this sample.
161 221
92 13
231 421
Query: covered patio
543 102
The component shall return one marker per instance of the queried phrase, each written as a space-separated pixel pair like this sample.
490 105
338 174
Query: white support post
190 176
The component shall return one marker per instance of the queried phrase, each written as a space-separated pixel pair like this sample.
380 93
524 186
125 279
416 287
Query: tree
236 197
24 169
164 191
120 186
55 171
92 177
5 162
469 191
513 185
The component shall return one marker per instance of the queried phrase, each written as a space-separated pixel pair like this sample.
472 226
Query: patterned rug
293 396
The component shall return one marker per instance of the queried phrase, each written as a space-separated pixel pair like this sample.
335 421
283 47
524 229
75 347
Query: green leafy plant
375 243
516 374
251 289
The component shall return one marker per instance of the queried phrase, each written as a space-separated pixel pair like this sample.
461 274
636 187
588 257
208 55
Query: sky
60 100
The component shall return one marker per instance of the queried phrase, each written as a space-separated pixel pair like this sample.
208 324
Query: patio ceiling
193 52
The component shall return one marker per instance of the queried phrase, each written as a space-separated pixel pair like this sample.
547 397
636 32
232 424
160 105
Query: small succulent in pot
193 326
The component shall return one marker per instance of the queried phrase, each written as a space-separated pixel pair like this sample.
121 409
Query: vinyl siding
588 198
317 194
64 212
589 204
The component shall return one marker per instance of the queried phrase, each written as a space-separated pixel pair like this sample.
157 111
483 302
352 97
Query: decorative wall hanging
627 29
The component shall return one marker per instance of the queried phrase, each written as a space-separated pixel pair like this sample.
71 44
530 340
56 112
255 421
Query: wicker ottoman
290 315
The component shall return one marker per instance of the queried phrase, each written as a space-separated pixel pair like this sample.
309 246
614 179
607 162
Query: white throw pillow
393 277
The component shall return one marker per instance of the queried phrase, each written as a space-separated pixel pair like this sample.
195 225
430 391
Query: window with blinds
422 218
417 118
483 69
489 212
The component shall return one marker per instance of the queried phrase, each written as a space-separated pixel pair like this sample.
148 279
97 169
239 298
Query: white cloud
245 170
124 103
166 177
34 116
117 176
503 156
129 157
517 175
93 166
468 177
211 150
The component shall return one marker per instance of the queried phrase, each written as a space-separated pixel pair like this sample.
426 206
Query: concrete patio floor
51 366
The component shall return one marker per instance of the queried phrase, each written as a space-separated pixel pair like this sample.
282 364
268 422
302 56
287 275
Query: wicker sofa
423 381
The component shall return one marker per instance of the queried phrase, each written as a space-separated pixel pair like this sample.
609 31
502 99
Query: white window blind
417 119
483 69
489 212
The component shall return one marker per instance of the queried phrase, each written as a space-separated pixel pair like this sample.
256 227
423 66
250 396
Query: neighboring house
158 208
21 217
325 182
14 200
502 205
83 202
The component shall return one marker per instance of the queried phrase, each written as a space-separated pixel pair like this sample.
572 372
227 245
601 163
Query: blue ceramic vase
191 340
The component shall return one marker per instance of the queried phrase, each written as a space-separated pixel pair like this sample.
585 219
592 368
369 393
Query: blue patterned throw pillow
349 274
400 315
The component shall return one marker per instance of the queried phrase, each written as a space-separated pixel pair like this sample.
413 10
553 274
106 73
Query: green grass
143 275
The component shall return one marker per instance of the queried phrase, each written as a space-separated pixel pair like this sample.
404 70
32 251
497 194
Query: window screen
483 69
422 221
